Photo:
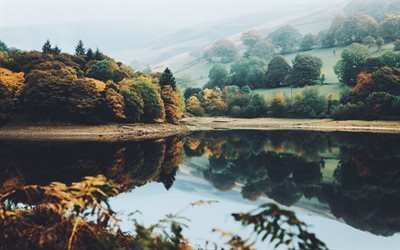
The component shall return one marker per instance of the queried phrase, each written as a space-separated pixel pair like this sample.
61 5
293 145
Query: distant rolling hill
189 64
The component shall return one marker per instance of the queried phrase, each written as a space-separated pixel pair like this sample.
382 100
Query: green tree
192 92
308 42
369 41
350 29
80 49
153 110
389 28
325 39
222 50
89 54
278 70
248 72
262 49
286 38
351 63
306 71
46 48
167 78
98 55
101 70
250 38
396 45
218 76
134 105
379 43
56 50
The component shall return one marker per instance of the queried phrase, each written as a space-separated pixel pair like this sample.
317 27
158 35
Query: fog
116 26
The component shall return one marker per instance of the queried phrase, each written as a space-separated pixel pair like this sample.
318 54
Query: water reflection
355 176
130 164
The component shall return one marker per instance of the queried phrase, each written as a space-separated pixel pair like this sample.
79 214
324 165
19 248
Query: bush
134 106
60 95
214 104
194 107
115 105
348 111
309 104
153 110
277 106
378 105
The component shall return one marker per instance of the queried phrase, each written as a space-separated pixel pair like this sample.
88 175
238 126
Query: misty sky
121 24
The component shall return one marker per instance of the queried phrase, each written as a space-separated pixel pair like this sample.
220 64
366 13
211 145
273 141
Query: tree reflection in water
288 166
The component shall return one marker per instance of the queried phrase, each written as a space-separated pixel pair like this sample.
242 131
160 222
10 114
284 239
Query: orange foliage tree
172 105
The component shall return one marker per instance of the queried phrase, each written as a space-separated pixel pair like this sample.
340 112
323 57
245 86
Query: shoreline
324 125
138 132
95 133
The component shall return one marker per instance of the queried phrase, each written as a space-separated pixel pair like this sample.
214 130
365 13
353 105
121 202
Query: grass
198 72
325 90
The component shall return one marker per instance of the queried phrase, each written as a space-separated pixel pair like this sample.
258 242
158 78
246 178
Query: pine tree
56 50
46 49
167 78
89 54
80 49
98 55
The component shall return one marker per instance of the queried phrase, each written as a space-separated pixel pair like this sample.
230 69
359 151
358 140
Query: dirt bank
112 133
137 132
218 123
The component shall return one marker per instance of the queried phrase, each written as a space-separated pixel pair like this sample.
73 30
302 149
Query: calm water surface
346 186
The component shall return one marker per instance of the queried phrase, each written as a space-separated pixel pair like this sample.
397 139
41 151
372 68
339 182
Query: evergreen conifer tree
80 49
89 54
46 49
167 78
56 50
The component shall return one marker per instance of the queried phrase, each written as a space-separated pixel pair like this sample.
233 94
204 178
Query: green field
325 90
198 72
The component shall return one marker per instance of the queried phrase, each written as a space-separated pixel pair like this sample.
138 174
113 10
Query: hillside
189 65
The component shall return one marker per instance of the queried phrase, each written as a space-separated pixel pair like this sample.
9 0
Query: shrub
114 102
214 104
60 95
134 105
194 107
348 111
277 106
153 110
378 105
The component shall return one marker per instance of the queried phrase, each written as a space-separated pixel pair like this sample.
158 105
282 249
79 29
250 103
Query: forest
87 87
369 83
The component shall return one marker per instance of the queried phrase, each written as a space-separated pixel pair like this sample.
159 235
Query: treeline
371 23
255 73
374 92
242 102
375 83
87 87
288 166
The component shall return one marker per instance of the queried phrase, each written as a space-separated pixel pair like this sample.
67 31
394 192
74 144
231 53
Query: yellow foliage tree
194 107
213 101
172 105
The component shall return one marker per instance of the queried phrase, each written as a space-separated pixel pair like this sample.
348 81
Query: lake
345 186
